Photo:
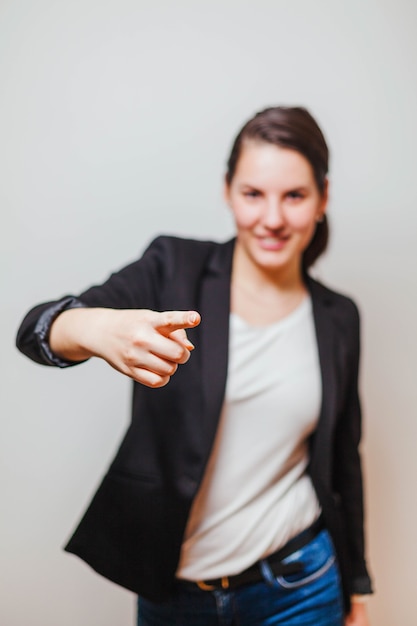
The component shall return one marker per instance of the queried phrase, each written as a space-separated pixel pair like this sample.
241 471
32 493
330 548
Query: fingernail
193 318
189 345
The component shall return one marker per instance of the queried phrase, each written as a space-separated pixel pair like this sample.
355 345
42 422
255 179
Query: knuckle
172 369
154 382
142 338
179 354
129 356
138 334
159 381
169 318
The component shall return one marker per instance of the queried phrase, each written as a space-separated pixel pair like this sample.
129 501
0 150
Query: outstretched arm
145 345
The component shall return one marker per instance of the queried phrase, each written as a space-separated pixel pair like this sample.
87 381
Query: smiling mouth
273 243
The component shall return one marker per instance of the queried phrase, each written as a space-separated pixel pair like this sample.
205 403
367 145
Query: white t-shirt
255 494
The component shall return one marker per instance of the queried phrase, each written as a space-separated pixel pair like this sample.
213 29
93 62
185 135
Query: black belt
253 574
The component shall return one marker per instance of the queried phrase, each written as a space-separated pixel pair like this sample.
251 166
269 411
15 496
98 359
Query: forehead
266 164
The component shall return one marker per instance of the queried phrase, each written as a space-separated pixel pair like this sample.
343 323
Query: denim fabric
312 597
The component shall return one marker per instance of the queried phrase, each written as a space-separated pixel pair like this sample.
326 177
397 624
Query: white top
255 494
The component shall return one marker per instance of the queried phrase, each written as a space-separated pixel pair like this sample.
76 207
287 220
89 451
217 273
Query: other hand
358 615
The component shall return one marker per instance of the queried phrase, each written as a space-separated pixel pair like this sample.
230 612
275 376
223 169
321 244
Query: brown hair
296 129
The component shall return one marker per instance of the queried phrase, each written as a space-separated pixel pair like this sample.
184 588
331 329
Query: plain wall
115 122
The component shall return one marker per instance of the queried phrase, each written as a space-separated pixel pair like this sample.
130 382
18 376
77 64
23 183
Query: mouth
273 243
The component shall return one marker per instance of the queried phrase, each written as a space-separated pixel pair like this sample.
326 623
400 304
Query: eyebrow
299 188
287 190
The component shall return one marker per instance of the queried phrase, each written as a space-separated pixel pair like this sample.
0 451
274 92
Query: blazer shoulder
169 243
188 255
344 308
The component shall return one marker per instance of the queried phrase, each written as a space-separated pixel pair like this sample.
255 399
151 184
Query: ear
226 190
324 200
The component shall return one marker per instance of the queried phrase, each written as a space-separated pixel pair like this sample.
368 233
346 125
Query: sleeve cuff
43 326
361 586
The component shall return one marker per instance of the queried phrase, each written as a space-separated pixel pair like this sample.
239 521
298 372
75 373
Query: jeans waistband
253 573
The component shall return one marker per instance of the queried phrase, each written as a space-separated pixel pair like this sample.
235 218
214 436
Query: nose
273 216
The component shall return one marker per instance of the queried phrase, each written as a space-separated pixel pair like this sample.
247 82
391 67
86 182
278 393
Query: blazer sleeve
135 286
347 475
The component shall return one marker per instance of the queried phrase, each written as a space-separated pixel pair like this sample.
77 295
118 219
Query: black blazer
132 531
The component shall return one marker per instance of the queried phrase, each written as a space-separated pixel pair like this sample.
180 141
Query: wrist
357 598
94 329
75 333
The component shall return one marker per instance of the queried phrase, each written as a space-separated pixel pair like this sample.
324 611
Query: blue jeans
312 597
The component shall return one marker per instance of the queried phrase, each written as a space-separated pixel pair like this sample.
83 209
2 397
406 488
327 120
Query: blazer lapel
215 307
328 349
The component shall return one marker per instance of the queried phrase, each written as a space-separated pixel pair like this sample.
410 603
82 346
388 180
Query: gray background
115 122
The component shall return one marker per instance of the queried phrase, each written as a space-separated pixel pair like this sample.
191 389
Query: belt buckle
225 582
206 587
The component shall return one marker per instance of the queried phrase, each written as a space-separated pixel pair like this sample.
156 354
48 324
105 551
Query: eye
251 193
295 195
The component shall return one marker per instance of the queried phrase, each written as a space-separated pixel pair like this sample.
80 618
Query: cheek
302 221
244 217
305 233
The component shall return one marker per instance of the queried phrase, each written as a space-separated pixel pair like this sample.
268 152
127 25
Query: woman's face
276 204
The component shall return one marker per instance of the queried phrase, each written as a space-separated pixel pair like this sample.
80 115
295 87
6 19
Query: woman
236 494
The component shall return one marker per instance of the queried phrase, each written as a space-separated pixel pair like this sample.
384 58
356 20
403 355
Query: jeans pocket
316 559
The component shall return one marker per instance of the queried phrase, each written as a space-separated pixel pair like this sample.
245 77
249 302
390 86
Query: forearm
76 334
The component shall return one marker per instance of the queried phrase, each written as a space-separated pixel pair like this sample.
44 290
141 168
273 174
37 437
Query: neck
263 297
285 279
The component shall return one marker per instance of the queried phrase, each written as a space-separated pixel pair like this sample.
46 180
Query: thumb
181 337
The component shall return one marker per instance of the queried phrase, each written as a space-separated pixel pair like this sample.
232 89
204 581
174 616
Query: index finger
168 321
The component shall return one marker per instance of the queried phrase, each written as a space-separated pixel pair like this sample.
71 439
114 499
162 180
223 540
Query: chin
271 264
